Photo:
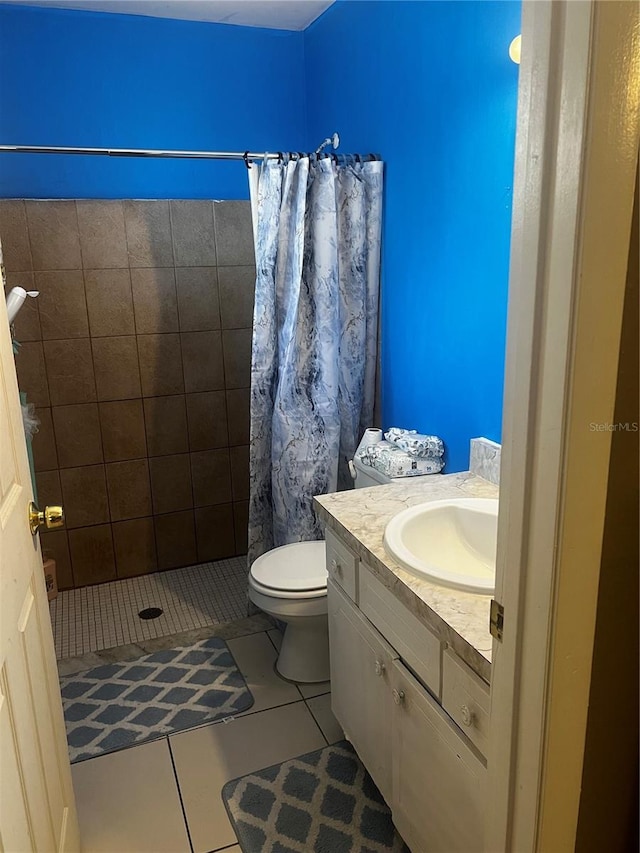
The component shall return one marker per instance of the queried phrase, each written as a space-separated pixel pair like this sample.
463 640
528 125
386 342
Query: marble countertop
359 517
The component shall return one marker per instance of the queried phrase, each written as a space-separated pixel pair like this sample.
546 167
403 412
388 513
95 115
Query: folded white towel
416 444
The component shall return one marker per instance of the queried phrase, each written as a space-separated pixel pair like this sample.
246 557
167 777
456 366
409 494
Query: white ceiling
273 14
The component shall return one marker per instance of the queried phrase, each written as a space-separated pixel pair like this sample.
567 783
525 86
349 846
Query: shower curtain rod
137 152
333 141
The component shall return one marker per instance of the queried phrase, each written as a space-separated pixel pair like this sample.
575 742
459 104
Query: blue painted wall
431 87
427 84
91 79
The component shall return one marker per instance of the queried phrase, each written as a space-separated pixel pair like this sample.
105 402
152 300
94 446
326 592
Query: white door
576 159
37 809
360 689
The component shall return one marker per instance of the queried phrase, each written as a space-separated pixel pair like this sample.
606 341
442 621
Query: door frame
576 160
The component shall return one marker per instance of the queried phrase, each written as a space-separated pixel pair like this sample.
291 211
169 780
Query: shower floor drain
151 613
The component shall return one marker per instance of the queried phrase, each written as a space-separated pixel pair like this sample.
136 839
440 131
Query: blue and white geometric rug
118 704
322 802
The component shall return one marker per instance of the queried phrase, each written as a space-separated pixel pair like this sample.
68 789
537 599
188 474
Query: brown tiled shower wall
137 357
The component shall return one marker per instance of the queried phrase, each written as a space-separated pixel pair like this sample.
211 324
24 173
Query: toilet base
304 654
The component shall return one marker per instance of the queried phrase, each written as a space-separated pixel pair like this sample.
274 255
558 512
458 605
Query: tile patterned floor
106 615
166 795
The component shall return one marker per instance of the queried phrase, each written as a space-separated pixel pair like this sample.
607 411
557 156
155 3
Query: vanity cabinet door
438 780
361 698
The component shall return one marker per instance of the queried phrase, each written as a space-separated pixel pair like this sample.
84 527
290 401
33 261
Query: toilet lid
299 566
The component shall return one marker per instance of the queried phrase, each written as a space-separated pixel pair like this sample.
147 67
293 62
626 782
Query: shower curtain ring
247 162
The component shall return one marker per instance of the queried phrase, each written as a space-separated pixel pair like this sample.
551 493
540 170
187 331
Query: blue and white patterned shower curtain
317 233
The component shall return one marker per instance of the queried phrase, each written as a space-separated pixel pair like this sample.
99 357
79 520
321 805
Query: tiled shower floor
106 615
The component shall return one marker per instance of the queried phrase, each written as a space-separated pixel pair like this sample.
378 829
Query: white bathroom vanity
410 667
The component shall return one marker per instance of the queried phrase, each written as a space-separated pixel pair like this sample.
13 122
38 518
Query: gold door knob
51 518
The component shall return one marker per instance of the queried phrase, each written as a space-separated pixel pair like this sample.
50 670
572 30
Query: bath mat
322 802
119 704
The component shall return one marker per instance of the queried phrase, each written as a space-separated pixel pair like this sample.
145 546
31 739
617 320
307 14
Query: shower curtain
317 227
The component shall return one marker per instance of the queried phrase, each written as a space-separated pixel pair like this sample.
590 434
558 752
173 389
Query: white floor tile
128 801
106 615
320 707
276 637
256 658
309 690
208 757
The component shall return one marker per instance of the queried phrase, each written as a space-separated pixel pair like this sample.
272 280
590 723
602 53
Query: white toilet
290 584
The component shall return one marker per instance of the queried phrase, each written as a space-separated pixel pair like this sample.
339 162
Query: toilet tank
365 476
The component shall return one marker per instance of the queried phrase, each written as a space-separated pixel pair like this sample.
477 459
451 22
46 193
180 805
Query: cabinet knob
467 715
379 667
398 697
337 568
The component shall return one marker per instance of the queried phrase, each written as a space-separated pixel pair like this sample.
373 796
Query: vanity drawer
465 697
418 647
342 565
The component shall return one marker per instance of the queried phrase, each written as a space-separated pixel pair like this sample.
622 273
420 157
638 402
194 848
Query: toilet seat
291 571
285 593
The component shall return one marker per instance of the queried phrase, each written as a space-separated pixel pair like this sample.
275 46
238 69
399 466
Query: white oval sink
450 542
